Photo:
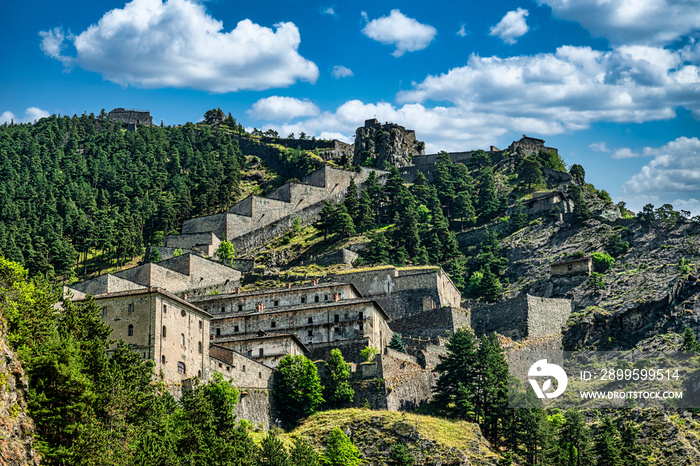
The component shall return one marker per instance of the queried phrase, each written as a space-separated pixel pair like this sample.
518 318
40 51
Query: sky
613 84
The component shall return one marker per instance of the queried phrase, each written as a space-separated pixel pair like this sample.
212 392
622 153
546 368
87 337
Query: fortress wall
208 224
243 207
509 318
256 406
547 316
434 323
407 385
207 242
106 284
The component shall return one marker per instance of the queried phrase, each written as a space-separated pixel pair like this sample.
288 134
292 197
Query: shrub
369 353
602 261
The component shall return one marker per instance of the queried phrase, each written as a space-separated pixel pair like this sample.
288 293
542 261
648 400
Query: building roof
572 261
151 290
270 291
266 336
301 307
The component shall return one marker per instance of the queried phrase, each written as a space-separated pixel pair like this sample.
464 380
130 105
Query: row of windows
310 320
276 302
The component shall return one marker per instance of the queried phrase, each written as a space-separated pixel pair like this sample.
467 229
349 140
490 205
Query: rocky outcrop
16 428
377 145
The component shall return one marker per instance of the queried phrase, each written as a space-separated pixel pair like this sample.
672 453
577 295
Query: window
131 308
182 339
104 312
228 368
199 374
223 309
235 328
221 365
362 315
183 313
260 375
325 297
362 327
165 332
218 332
311 320
276 302
303 300
181 368
273 324
165 309
570 266
261 352
199 347
130 332
337 318
315 298
162 359
240 308
200 325
250 353
310 333
243 368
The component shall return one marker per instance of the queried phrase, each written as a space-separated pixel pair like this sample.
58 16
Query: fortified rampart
131 117
328 149
255 220
432 324
522 317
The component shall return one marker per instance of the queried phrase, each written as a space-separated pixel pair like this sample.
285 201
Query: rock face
16 428
377 144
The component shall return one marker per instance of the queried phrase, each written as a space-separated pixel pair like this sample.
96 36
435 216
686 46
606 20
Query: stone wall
243 371
328 149
440 322
522 317
256 406
582 266
208 243
339 256
106 284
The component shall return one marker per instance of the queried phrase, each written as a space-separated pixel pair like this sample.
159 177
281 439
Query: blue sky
614 84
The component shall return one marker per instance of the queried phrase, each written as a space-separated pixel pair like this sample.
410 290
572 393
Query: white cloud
340 71
407 34
153 44
512 26
599 146
675 170
462 31
31 115
328 11
632 21
278 108
569 89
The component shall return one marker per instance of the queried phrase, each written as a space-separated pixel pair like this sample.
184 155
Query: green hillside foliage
75 187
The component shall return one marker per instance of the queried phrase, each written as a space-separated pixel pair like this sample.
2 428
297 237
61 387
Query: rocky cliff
16 428
377 145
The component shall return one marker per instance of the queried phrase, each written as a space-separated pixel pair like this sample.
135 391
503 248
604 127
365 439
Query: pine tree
456 384
690 343
631 452
303 454
351 203
365 216
396 343
492 387
607 444
377 252
487 203
337 390
326 220
340 450
575 439
343 224
273 452
399 456
518 219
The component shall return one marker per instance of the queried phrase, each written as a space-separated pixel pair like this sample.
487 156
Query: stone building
528 146
545 202
237 367
266 348
132 118
581 266
322 317
522 317
168 330
404 290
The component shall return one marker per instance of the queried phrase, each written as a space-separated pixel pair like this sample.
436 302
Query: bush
602 261
369 353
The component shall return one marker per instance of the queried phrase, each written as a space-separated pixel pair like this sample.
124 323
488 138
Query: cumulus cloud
569 89
31 115
340 71
512 26
407 34
462 31
652 22
329 11
278 108
600 146
674 170
153 44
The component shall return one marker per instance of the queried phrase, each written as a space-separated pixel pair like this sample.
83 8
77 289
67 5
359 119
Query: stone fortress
188 314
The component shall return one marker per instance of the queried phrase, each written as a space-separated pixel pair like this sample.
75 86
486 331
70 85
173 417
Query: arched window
130 332
199 374
199 345
164 332
181 368
182 339
162 359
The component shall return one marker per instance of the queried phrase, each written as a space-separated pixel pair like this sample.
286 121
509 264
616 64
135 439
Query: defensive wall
256 220
432 324
522 317
329 149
